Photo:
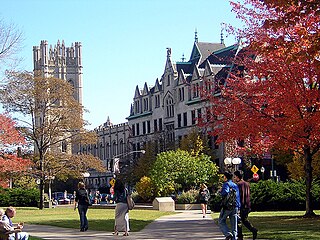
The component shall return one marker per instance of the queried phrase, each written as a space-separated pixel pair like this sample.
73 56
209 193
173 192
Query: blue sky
123 41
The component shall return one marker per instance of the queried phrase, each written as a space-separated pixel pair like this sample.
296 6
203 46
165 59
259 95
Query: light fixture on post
116 161
229 162
236 162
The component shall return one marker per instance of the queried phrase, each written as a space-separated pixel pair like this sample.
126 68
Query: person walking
244 189
82 202
204 196
226 211
14 235
122 211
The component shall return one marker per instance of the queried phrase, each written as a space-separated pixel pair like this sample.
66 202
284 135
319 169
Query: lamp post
232 161
116 161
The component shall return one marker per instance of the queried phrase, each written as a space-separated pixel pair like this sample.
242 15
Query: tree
271 97
10 42
179 170
54 124
11 163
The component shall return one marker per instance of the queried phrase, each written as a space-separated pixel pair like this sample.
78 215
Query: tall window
146 104
137 106
143 127
181 94
148 127
138 129
168 80
185 119
157 100
193 117
169 107
160 124
179 120
155 125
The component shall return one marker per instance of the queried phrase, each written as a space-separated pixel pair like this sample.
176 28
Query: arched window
169 107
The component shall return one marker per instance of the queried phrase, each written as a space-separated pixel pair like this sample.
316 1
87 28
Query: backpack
130 202
229 201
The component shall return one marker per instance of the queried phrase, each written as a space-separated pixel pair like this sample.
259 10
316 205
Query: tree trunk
308 171
41 186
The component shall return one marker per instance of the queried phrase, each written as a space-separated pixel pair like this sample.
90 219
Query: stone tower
63 63
60 62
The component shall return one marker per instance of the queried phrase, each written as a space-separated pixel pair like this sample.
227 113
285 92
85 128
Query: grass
284 225
99 219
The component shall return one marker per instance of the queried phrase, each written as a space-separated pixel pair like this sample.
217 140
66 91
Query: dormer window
169 107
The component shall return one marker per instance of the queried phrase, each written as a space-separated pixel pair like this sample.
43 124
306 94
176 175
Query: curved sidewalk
183 225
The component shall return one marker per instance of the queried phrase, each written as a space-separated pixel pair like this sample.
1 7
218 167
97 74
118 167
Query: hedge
270 195
19 197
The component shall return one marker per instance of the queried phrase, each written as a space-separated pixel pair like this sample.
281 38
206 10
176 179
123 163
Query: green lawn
284 225
99 219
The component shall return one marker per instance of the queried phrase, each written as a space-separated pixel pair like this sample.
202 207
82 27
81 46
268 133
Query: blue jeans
82 209
233 216
21 236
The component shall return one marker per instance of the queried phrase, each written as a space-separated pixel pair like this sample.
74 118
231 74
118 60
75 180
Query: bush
190 196
144 189
19 197
290 195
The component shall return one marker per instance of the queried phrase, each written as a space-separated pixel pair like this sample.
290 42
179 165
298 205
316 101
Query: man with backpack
244 190
229 207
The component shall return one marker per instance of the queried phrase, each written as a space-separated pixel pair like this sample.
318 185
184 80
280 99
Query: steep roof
201 50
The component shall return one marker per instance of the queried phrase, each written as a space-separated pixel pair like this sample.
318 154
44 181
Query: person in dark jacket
122 211
231 213
244 189
82 201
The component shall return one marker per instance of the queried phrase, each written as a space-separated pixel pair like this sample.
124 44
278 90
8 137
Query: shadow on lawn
286 227
97 224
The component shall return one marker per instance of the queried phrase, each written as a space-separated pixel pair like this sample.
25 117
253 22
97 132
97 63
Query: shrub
290 195
190 196
144 189
19 197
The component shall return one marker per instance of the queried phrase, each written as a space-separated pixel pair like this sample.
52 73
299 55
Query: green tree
179 170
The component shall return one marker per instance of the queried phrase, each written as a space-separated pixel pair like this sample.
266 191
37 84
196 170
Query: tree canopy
179 170
52 120
11 163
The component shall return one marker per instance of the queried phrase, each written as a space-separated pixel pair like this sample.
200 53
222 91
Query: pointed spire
183 58
221 34
196 35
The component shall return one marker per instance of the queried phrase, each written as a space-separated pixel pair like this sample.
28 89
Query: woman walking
82 201
121 212
204 196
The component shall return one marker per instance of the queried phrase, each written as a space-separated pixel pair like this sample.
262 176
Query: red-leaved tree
272 97
10 138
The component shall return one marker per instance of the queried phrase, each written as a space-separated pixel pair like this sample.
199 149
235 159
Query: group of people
82 202
14 232
239 214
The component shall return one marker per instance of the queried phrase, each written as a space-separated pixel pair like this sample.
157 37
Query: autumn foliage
272 97
10 163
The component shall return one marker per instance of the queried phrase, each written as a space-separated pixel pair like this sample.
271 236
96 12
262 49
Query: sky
123 41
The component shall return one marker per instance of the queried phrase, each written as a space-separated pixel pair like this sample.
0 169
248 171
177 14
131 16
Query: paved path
184 225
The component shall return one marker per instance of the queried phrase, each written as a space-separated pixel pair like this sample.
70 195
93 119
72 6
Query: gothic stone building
166 112
64 63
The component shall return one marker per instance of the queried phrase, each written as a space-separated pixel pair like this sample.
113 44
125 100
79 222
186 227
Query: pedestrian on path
244 189
122 211
229 210
204 196
82 202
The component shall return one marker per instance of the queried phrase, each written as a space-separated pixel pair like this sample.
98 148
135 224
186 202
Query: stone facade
166 112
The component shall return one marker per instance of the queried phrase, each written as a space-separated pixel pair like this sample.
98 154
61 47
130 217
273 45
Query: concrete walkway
183 225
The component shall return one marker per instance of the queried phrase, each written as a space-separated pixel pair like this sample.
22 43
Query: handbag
130 202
